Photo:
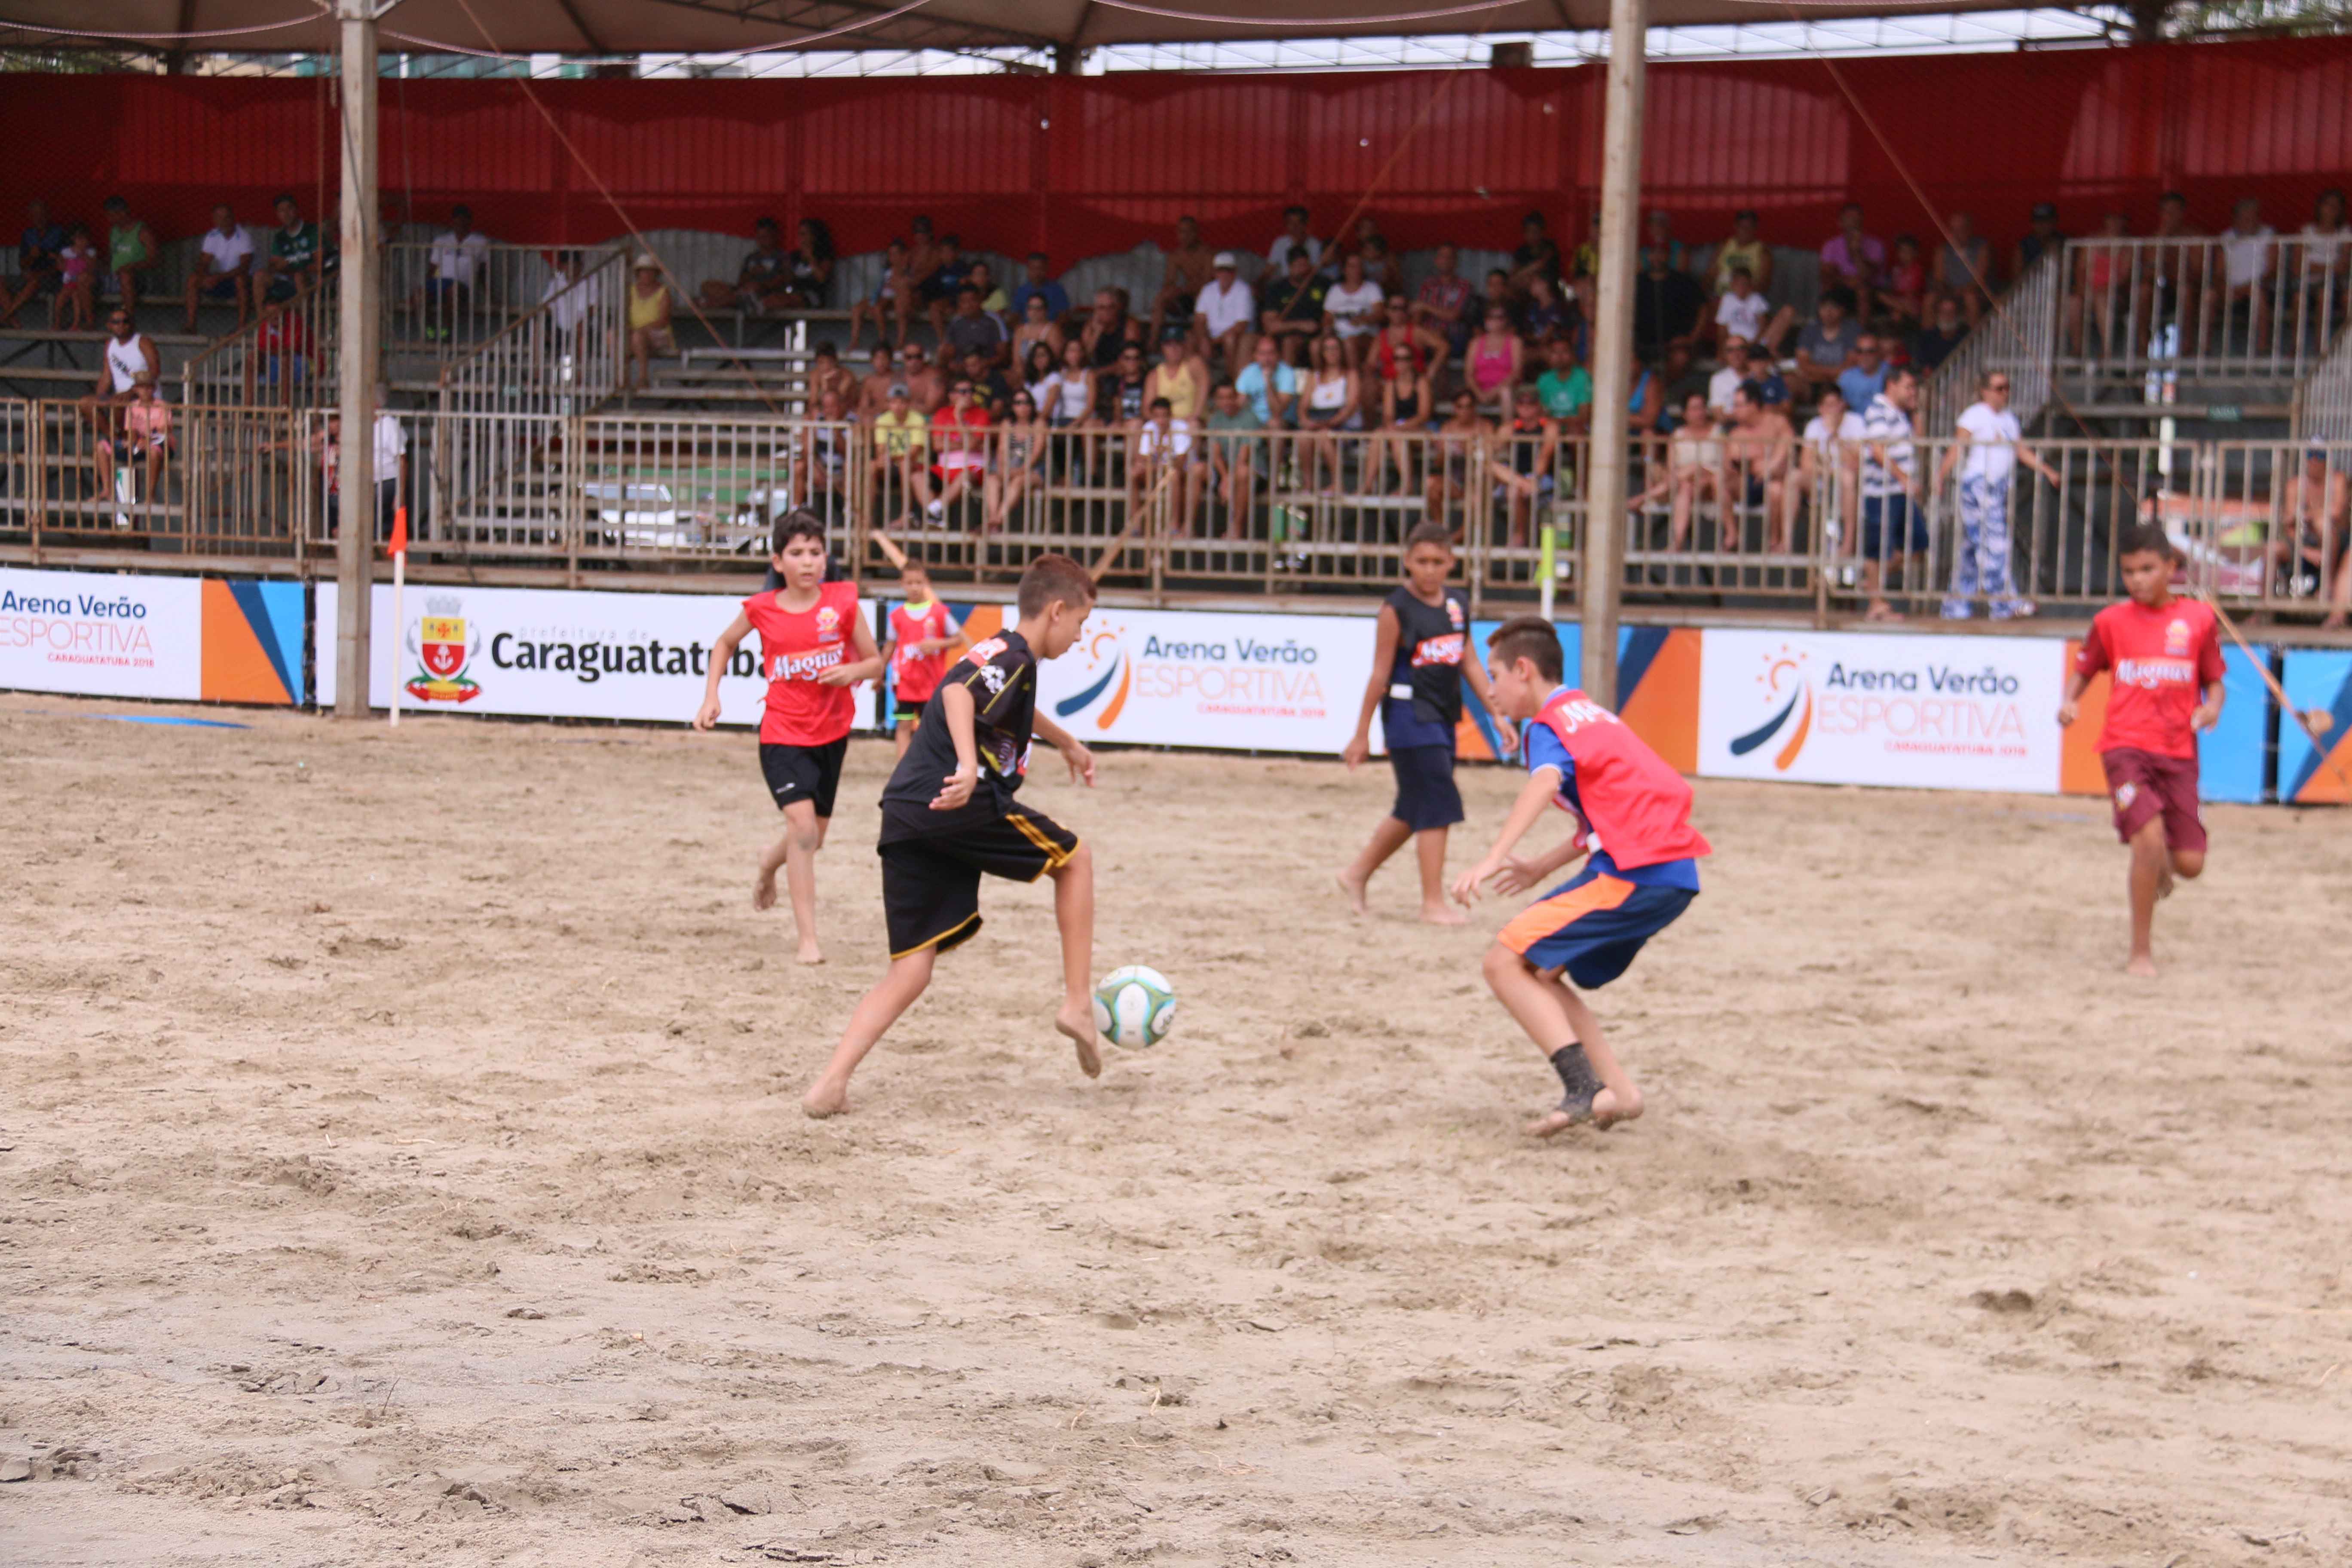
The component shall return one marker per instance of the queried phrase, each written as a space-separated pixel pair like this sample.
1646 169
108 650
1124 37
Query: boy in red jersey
813 646
2166 654
916 644
949 815
1632 814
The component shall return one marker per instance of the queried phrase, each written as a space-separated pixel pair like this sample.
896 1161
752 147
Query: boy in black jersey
1420 656
949 815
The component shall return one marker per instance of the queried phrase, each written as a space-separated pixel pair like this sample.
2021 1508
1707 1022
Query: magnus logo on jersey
1789 695
804 666
1444 650
444 645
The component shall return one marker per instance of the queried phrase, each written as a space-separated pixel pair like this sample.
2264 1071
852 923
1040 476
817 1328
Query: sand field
400 1163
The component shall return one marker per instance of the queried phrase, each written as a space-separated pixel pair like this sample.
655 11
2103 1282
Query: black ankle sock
1575 1075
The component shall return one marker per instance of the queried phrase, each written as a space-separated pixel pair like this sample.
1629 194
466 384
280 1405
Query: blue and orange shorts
1593 924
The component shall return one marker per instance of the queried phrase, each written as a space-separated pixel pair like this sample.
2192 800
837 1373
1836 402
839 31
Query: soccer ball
1135 1006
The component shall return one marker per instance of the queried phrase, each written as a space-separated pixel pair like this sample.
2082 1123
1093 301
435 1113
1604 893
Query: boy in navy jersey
1632 816
1418 668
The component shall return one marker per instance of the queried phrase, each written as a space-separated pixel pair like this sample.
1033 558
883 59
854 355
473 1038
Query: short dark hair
1037 256
1902 372
1529 637
825 349
1054 579
2145 539
2172 196
1535 218
763 221
461 210
1294 211
1432 532
800 523
1160 403
285 196
1748 273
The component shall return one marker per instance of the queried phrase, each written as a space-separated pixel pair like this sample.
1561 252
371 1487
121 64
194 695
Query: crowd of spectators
75 265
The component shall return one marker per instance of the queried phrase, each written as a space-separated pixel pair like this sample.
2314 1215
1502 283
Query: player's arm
956 711
1475 674
1535 796
722 652
955 639
866 666
1386 631
1073 751
2208 714
2086 664
1520 872
2027 456
890 550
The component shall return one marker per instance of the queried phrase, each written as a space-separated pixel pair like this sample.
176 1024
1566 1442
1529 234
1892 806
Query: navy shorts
1884 520
1593 924
1426 796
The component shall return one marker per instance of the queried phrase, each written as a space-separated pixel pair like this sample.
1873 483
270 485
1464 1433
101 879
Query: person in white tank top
128 352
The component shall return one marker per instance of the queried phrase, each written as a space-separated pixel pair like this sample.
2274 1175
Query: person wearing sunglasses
1991 444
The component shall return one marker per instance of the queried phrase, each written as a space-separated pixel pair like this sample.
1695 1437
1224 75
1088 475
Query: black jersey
1432 642
1000 673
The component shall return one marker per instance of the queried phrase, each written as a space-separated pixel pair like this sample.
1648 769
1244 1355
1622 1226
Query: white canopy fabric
716 26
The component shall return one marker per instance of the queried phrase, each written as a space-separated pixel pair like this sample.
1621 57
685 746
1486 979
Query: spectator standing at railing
1964 267
1181 277
1441 304
2041 238
1225 314
223 269
1037 282
1865 378
1989 446
760 282
2249 255
38 250
1894 520
2326 253
130 254
1935 342
1745 249
1854 259
1826 347
648 319
456 258
1831 448
1293 238
299 254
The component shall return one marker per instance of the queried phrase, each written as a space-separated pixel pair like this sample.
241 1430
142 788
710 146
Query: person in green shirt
1236 454
129 252
1565 388
298 252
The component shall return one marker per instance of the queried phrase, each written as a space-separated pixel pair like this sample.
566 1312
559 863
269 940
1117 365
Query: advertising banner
1235 681
554 654
2322 678
102 635
1926 712
2232 757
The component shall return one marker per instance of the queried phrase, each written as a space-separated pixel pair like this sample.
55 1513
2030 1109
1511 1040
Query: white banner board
1241 682
1926 712
102 635
554 653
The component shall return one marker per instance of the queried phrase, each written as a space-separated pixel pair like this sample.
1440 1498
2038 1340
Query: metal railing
285 357
2014 337
2263 308
442 298
215 485
2323 405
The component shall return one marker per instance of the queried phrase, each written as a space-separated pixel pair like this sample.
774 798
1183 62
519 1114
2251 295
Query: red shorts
2143 786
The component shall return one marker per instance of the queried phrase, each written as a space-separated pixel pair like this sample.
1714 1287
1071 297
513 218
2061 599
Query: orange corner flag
400 530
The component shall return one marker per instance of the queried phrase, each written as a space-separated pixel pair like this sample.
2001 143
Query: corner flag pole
399 580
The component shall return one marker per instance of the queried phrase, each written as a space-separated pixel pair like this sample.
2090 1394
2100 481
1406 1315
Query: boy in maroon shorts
813 646
2166 654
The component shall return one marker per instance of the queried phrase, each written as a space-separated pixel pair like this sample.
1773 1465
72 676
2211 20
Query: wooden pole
1612 349
355 358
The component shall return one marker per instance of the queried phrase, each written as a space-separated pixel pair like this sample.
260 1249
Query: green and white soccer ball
1135 1006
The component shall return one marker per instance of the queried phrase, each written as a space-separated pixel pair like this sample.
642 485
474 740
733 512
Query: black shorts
1426 796
796 774
931 887
907 709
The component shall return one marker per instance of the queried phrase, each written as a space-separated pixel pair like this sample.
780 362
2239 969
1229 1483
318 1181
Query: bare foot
1559 1120
1354 888
808 954
1077 1019
2142 966
1443 915
763 892
1607 1113
824 1098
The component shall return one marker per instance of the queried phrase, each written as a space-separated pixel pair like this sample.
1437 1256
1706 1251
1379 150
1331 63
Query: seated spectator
570 299
1831 448
937 290
1225 314
1745 248
1456 459
1678 378
299 254
1184 275
1757 455
146 436
1330 399
1167 454
1036 329
1537 256
1236 454
894 295
874 388
38 251
1492 364
1401 393
902 451
1351 309
2041 238
761 282
1401 350
1964 268
1294 236
1036 279
1934 343
1292 308
1565 388
1743 313
1666 305
1499 296
1381 266
1037 367
2248 253
1906 294
1691 475
1854 259
1441 304
76 305
827 374
990 390
973 330
1180 379
1825 348
1646 405
958 441
1020 465
2326 254
1109 330
1270 384
1119 392
1658 237
456 257
1544 315
927 387
992 299
808 268
1865 378
1727 378
223 269
649 320
130 254
927 256
1067 396
1585 265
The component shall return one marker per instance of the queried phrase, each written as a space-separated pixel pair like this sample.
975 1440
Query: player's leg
1387 838
875 1011
1429 851
1617 1099
796 853
1073 914
2150 879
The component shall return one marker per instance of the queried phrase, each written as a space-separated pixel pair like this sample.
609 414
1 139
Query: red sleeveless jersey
1632 804
796 647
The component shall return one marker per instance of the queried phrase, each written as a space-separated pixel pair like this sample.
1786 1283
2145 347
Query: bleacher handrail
2018 335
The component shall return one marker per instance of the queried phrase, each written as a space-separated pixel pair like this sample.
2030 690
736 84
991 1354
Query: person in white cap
649 334
1222 314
